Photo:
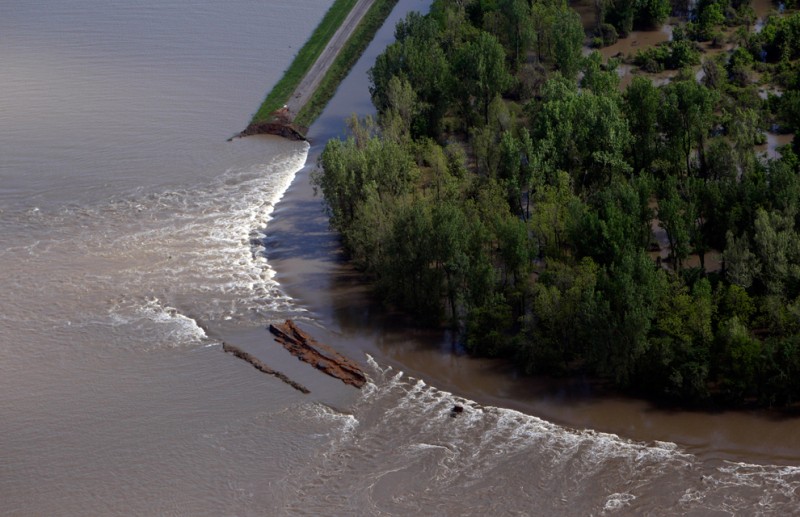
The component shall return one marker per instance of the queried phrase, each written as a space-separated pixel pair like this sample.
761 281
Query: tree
514 249
651 14
518 29
741 264
582 133
480 66
714 74
449 253
777 247
366 236
739 358
418 58
358 167
542 23
641 105
678 360
509 168
676 218
401 108
486 150
744 130
784 185
489 327
709 16
733 301
564 301
617 222
568 39
551 215
620 14
632 290
780 381
516 169
686 117
738 67
454 28
600 81
407 278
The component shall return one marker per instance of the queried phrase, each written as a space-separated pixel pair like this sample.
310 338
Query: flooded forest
602 188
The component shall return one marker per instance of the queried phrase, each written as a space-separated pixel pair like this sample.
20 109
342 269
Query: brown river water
134 240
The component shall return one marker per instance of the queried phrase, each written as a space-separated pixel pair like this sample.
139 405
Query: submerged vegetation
509 187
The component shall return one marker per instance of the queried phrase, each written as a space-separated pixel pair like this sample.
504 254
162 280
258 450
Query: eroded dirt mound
320 356
279 123
289 131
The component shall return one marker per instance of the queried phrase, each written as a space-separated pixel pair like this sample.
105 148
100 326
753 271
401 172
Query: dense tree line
510 188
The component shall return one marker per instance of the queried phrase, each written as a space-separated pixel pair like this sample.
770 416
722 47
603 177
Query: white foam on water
400 449
234 256
345 423
153 268
618 501
184 329
153 324
775 488
691 495
511 430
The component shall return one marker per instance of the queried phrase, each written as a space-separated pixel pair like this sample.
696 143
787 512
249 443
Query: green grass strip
347 57
283 89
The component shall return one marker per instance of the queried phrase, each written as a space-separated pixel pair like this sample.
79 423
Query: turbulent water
132 245
401 452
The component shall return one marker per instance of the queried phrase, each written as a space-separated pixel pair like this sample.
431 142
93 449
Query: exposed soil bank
289 131
279 124
320 356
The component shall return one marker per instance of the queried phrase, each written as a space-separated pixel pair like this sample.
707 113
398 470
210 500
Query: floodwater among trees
510 188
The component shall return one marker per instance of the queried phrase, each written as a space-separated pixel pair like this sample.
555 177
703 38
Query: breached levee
316 73
275 127
279 123
307 349
261 366
320 356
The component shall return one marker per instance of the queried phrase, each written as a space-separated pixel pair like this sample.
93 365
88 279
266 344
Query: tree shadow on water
302 233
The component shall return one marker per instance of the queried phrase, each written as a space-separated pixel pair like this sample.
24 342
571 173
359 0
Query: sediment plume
259 365
320 356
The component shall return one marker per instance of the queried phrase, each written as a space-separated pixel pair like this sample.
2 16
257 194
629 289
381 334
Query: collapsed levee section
320 356
261 366
279 123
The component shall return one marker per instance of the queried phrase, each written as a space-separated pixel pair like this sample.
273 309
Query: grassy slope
305 58
345 60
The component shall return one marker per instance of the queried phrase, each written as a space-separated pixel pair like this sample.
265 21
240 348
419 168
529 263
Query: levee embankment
289 115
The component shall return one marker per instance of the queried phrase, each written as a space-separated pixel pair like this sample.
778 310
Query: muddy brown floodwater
132 251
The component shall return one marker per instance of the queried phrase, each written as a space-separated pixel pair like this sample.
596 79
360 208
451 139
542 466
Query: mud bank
279 124
261 366
322 357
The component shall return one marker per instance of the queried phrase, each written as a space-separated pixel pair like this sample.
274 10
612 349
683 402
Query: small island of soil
320 356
